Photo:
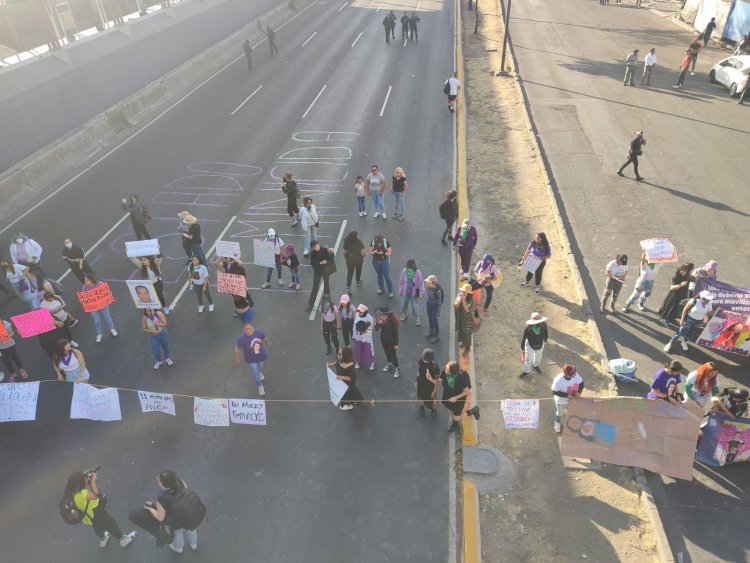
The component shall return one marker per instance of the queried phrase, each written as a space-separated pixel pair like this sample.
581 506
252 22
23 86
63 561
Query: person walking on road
321 260
540 248
278 256
533 339
364 349
488 277
309 221
678 291
387 27
183 228
360 190
466 312
565 385
376 185
635 150
413 25
347 313
9 355
292 262
69 363
154 323
434 302
449 213
695 312
271 36
242 305
684 67
20 280
451 88
694 49
289 187
248 54
166 510
615 273
75 257
644 284
26 251
330 323
150 270
61 317
456 388
428 375
193 235
710 26
392 23
354 254
404 27
198 278
399 186
648 66
345 371
411 288
253 345
139 216
465 240
380 250
630 63
387 325
91 281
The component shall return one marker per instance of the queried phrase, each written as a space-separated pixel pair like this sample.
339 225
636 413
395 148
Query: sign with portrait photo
143 294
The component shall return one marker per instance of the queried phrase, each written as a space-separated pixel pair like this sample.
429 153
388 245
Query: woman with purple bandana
465 240
539 247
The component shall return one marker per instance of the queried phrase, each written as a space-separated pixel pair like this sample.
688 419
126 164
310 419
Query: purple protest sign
731 297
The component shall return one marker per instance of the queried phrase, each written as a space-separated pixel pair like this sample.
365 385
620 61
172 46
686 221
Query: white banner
336 387
156 402
211 412
95 404
531 264
136 248
523 413
247 411
18 401
263 253
227 249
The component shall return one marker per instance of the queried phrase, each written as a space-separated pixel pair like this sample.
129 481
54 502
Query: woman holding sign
69 363
91 281
150 270
538 248
155 324
18 277
198 277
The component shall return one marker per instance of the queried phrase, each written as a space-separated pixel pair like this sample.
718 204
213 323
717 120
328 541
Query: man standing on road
648 66
320 256
451 88
252 344
387 26
248 54
404 27
392 23
413 22
710 26
630 61
634 152
137 216
271 35
684 67
695 48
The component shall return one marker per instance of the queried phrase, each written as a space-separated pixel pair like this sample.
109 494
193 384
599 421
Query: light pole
502 72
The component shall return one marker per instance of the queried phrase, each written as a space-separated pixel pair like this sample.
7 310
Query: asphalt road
571 60
315 484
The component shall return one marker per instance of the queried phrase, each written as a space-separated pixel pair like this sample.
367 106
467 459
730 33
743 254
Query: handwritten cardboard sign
18 401
156 402
336 387
531 264
659 250
96 299
247 411
264 253
227 249
95 404
231 283
211 412
34 322
136 248
522 413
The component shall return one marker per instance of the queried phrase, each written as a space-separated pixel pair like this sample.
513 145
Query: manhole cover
480 460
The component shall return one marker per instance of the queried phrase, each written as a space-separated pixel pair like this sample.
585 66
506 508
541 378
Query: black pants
448 226
10 357
104 522
140 230
414 34
351 268
331 334
632 159
404 31
318 276
487 288
390 354
536 275
387 34
272 45
249 58
347 328
159 289
80 272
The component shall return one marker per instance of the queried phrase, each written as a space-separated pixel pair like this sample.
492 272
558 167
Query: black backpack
69 512
188 509
446 87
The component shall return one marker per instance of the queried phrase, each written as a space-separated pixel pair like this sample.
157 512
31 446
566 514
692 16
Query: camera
90 472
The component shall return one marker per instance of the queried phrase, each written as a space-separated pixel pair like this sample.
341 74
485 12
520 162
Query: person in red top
684 67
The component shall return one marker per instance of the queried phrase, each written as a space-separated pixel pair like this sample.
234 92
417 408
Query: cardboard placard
233 284
336 387
247 411
143 294
659 250
228 249
96 299
523 413
531 264
18 401
264 253
725 440
34 322
137 248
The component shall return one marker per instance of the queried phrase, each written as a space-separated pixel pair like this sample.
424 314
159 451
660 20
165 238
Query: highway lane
571 60
379 485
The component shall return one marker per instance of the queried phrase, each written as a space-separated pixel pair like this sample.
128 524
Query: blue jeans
409 298
256 369
295 275
159 341
383 269
398 203
377 202
178 541
686 328
361 202
269 272
432 319
197 250
98 316
310 234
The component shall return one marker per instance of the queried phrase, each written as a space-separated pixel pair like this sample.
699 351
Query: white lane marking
310 38
154 120
342 7
304 115
320 289
357 39
97 243
180 293
381 5
405 40
239 107
418 6
385 102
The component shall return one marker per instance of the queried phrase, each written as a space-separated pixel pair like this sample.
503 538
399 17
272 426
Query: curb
662 542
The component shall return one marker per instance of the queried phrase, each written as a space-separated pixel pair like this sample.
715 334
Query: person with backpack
449 213
139 215
179 509
289 187
450 89
83 502
380 250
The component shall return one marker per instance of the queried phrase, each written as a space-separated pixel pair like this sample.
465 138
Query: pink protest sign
231 283
33 323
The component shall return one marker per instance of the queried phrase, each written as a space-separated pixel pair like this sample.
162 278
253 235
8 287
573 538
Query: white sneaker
127 538
557 427
99 337
387 367
165 310
383 216
175 549
211 308
265 285
641 307
113 332
261 391
356 366
103 542
417 321
372 367
281 282
692 74
396 373
200 308
668 347
262 377
306 252
684 345
377 214
675 86
193 546
294 222
74 344
364 214
157 365
169 362
346 407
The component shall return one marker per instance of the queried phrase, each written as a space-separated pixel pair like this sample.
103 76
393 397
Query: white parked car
732 72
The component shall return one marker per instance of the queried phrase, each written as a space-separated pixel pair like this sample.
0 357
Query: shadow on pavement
697 199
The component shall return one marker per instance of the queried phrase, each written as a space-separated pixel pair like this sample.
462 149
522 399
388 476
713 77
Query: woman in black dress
456 385
428 375
344 368
354 254
678 290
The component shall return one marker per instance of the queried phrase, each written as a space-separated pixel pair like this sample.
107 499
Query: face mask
19 241
68 245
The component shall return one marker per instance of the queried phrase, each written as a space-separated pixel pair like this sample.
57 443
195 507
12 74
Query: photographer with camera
91 505
179 509
139 215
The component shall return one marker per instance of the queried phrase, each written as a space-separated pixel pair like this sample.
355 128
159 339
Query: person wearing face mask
696 311
534 338
364 351
278 255
26 251
465 240
75 257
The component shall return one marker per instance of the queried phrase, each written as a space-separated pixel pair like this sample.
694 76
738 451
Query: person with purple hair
540 248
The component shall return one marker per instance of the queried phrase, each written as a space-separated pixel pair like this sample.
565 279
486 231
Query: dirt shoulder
552 513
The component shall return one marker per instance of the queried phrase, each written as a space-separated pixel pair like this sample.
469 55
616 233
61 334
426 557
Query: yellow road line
472 537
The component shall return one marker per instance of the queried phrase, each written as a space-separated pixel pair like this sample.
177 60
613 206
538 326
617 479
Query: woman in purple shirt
666 376
539 247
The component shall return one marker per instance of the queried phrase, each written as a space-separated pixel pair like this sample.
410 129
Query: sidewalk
552 513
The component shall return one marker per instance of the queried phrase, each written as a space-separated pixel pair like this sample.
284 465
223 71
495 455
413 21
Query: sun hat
189 219
536 319
466 288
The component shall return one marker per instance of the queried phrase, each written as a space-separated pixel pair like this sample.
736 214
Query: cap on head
707 295
271 232
569 370
384 310
345 299
674 365
361 308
